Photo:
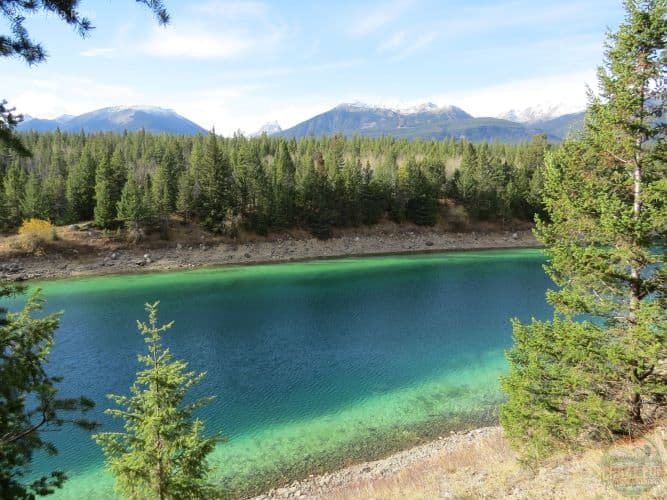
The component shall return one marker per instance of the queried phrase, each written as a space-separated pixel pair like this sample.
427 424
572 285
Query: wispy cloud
194 42
255 74
99 52
405 46
566 90
396 41
217 30
71 95
500 16
371 20
231 9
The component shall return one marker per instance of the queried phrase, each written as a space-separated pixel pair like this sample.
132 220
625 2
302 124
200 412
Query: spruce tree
54 197
161 199
216 183
30 404
171 164
130 208
105 209
597 370
14 191
186 198
118 174
33 204
422 204
81 187
162 451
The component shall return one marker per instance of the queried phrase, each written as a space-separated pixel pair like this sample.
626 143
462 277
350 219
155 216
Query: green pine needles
599 369
162 451
30 407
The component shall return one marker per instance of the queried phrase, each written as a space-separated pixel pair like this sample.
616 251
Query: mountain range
428 121
117 119
425 121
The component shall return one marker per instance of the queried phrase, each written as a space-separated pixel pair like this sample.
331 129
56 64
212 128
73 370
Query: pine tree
216 184
317 200
422 204
30 404
161 199
105 209
171 165
33 205
14 191
598 369
54 197
81 187
162 451
186 198
118 171
466 181
371 197
284 187
130 208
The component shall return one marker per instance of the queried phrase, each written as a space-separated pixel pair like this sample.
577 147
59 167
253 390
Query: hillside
561 126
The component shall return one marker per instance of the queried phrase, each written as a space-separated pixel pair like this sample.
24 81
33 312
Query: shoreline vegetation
81 251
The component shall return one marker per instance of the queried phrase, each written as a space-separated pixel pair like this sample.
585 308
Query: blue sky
238 64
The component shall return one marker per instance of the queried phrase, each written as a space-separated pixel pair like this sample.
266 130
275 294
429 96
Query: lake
314 365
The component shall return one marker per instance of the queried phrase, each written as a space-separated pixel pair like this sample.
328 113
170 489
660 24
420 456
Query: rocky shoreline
179 256
333 483
481 464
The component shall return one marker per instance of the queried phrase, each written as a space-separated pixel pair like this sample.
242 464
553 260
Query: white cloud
70 95
99 52
384 13
493 17
197 43
256 74
234 9
568 91
401 44
421 42
217 30
396 41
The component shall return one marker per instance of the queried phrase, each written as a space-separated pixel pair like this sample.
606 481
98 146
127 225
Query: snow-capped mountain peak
426 107
63 118
357 106
538 113
268 129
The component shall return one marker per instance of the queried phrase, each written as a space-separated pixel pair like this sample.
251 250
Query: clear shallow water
314 364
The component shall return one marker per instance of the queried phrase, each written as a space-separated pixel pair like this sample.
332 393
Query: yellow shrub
34 232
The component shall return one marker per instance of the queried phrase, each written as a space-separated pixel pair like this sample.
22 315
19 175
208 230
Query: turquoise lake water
314 365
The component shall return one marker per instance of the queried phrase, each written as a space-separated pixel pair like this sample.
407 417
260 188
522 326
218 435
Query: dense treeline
137 180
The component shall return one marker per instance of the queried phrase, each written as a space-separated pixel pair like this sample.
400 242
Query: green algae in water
314 365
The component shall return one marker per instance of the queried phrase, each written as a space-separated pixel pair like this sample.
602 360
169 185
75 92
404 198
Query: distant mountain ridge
538 113
118 119
429 121
424 121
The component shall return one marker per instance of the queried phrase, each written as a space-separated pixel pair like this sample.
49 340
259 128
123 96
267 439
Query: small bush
35 232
